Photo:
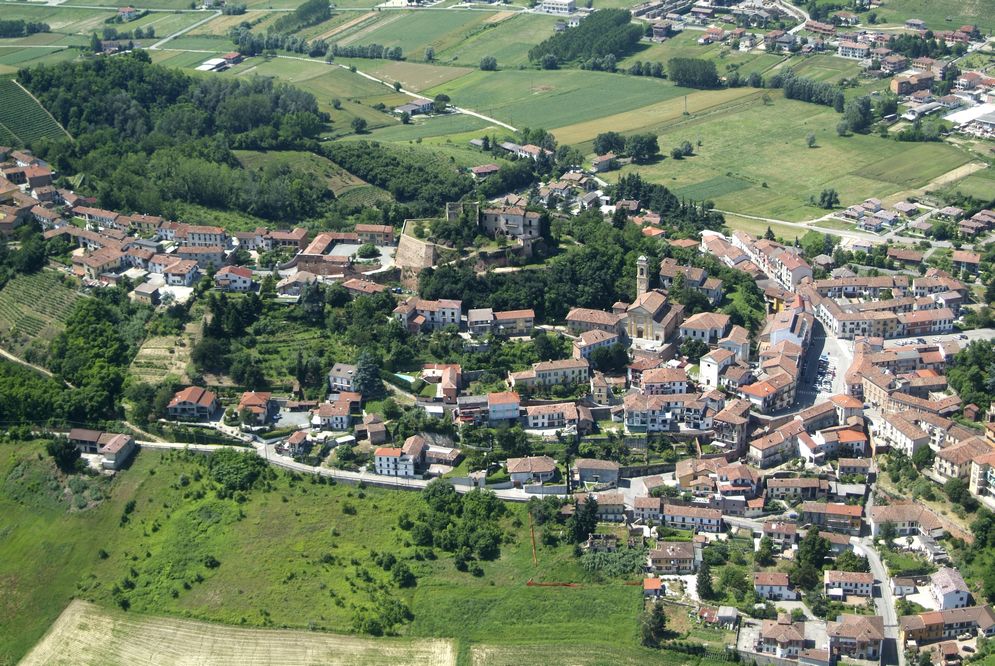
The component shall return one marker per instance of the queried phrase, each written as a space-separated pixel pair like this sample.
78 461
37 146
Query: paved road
885 602
272 457
162 42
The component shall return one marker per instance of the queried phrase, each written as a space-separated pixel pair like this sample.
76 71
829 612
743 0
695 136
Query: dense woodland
149 138
603 33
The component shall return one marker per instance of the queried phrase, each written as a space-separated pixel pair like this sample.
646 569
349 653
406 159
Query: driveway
884 601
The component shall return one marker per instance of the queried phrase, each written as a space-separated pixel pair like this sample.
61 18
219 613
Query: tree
693 349
95 44
64 453
810 140
609 142
549 61
850 561
368 251
676 154
430 54
956 490
765 552
584 521
812 552
488 63
440 103
769 234
367 380
359 125
642 147
829 199
704 580
653 626
923 457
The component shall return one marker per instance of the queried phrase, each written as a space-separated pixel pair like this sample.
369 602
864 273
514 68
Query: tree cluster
693 73
19 28
373 51
609 31
252 43
311 12
808 90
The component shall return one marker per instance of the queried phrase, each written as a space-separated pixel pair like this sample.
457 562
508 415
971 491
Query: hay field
86 634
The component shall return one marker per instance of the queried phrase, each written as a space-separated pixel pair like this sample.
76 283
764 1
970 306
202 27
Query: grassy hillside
294 555
22 117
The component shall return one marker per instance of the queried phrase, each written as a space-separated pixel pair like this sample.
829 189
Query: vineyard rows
22 118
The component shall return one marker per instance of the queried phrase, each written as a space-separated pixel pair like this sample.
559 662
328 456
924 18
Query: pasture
60 19
980 184
754 160
13 58
33 310
556 98
452 128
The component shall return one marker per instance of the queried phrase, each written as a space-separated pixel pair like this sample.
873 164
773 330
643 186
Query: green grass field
455 128
412 75
754 160
33 309
940 14
507 37
289 556
416 31
554 98
980 184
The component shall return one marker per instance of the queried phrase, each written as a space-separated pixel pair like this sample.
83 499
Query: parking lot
964 338
826 362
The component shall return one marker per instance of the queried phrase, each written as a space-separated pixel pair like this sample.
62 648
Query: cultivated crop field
413 76
86 634
23 117
940 14
161 357
33 309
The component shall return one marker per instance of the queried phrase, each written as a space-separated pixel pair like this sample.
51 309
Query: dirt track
85 634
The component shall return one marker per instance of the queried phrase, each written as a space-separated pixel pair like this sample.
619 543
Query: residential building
588 341
692 518
233 278
933 626
840 584
255 407
393 461
419 314
377 234
664 381
774 586
503 407
341 377
672 558
781 638
948 589
851 49
192 403
532 469
596 472
334 416
856 637
842 518
708 327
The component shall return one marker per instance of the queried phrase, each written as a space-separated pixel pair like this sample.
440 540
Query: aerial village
773 438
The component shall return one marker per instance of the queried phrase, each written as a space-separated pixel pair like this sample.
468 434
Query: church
650 317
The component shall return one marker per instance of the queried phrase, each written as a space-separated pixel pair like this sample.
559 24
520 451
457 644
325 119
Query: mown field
416 31
980 184
89 635
774 176
530 98
293 556
33 310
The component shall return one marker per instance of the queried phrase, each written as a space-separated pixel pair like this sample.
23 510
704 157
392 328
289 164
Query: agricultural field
413 76
748 175
939 14
23 117
33 310
550 99
88 635
60 19
416 31
980 184
284 557
453 128
505 36
164 356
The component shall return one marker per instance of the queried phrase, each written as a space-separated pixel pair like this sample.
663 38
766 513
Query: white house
948 589
533 469
340 377
773 585
233 278
503 406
